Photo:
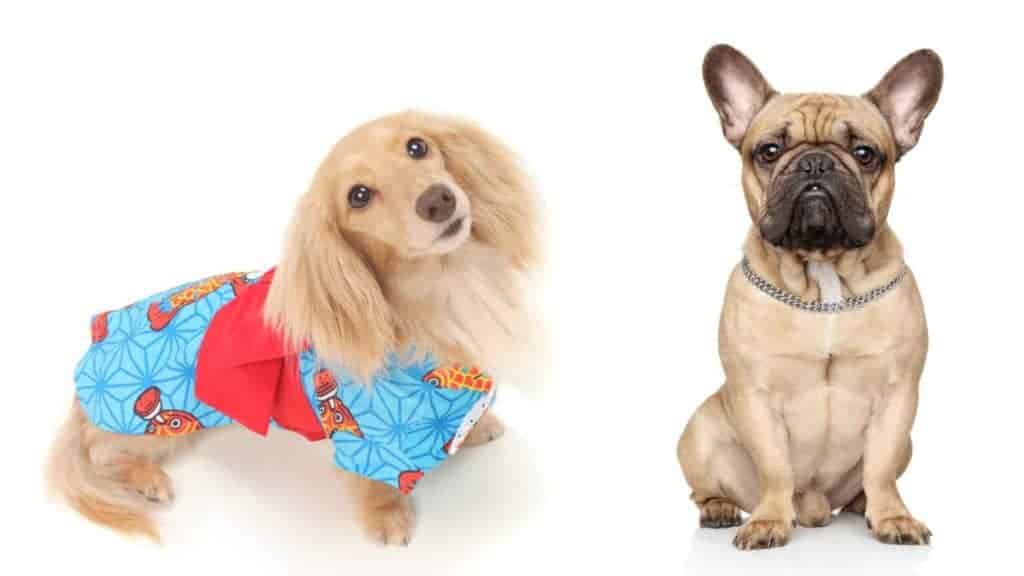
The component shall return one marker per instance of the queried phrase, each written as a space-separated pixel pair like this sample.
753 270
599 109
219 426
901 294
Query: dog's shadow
282 500
843 547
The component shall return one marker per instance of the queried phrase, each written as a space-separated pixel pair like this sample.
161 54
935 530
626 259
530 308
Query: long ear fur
504 208
326 295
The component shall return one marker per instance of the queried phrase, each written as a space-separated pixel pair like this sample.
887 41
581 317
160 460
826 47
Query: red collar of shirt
246 371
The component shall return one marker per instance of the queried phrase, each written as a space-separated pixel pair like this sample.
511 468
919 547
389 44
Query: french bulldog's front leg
761 431
885 457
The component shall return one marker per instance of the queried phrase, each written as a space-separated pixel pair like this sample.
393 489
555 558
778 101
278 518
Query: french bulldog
822 334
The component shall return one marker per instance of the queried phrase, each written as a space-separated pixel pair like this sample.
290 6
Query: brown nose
436 204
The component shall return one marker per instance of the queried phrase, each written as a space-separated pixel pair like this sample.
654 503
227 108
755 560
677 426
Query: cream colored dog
822 334
417 229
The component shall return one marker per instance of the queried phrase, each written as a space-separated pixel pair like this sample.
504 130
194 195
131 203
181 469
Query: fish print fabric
138 376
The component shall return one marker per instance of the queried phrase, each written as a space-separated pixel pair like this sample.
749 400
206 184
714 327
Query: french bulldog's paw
390 524
763 533
857 506
900 530
813 510
488 429
151 482
719 513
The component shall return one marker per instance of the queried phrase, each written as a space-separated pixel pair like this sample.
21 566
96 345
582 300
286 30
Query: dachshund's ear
504 208
325 294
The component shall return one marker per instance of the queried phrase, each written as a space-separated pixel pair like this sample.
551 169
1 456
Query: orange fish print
334 415
163 422
407 480
160 318
99 327
459 376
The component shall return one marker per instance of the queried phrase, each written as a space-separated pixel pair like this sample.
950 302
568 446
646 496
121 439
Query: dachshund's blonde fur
359 285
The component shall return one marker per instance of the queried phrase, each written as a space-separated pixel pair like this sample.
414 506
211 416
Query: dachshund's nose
436 204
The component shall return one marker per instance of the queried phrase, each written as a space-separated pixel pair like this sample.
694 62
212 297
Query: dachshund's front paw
390 523
488 429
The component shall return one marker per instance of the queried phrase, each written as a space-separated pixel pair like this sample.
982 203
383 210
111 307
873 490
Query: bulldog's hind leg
812 509
718 470
856 506
111 479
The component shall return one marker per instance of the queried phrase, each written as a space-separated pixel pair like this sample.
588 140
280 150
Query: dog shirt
200 356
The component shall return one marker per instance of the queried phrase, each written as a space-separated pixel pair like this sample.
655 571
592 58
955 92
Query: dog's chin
815 220
452 236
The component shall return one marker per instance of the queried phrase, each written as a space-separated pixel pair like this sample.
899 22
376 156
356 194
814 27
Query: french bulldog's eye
864 154
416 148
359 196
769 152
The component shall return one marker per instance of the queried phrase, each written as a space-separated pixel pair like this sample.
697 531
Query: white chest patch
824 273
828 281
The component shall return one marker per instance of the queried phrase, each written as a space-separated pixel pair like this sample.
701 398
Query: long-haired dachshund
416 233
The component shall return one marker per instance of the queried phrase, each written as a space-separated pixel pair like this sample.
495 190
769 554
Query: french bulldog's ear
737 89
907 93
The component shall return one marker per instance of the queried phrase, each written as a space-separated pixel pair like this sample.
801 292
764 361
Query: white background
140 146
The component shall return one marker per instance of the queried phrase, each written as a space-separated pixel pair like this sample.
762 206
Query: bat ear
737 90
906 95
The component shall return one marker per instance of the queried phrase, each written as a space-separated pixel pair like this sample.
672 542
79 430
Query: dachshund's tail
98 491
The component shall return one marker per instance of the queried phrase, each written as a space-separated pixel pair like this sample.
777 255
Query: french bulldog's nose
436 204
816 164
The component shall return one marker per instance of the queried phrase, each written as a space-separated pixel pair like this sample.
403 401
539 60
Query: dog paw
719 513
151 482
813 510
760 534
488 429
390 524
900 530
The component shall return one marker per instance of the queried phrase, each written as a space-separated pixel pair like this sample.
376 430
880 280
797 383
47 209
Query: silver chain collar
788 298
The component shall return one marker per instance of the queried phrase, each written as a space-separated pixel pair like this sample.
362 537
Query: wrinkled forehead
820 118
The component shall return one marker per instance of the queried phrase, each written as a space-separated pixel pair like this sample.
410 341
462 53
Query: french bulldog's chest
827 373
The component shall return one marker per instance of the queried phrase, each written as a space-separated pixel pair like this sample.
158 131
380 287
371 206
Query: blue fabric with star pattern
400 427
138 377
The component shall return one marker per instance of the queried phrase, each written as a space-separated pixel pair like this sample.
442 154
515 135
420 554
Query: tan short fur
816 408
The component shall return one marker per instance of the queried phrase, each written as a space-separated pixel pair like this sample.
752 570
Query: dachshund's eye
359 196
865 154
769 152
416 148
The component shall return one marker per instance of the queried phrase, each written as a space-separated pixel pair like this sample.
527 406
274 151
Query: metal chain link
851 303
